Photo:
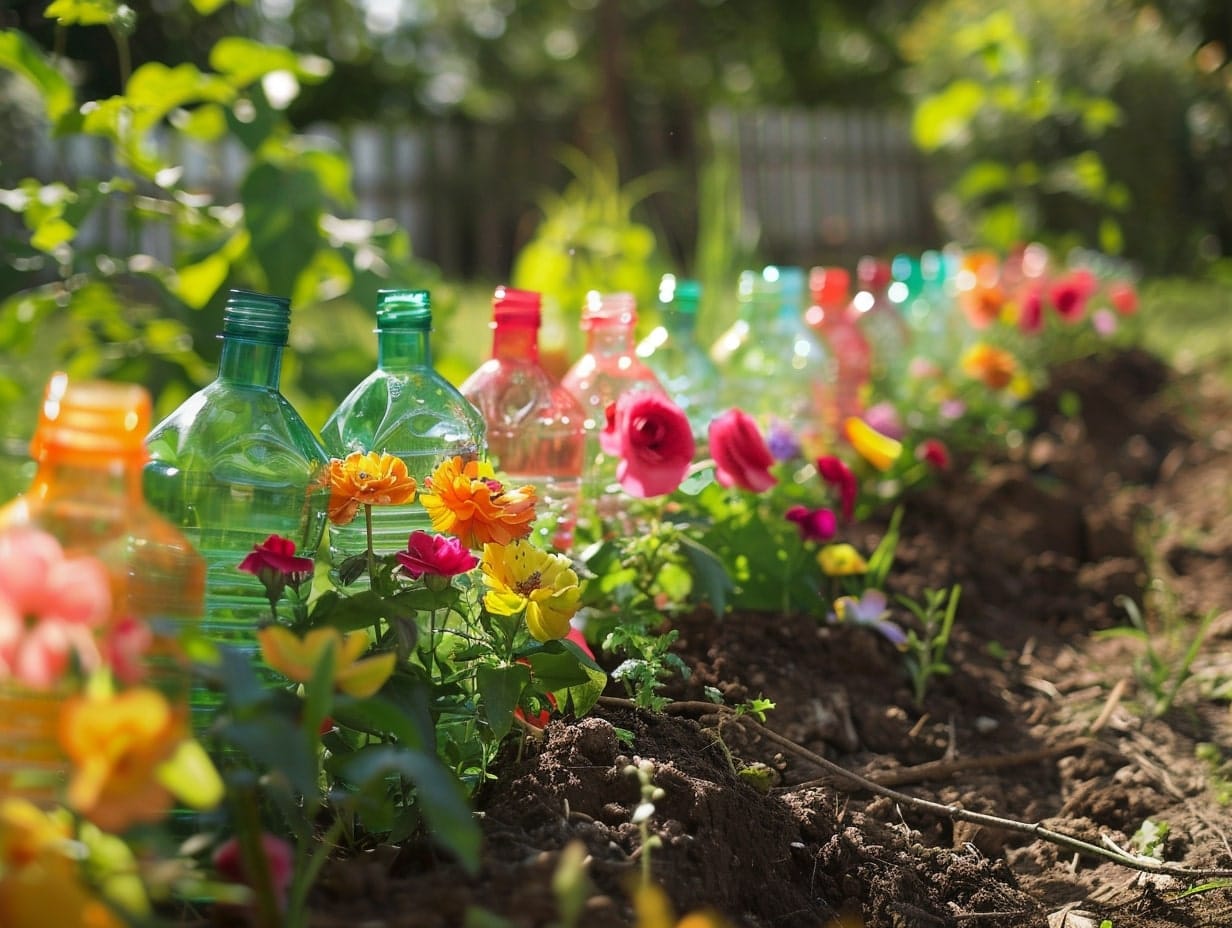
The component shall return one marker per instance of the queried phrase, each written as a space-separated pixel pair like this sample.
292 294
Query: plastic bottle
234 464
831 316
882 325
682 365
535 427
404 408
608 367
772 364
86 492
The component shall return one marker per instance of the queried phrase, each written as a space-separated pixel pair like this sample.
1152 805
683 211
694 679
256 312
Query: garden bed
1041 721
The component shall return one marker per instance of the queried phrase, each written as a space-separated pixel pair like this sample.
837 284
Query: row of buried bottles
172 510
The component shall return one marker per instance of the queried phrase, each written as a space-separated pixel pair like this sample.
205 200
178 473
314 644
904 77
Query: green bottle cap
257 317
403 309
680 294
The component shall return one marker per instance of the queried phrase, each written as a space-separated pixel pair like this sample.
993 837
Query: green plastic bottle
234 464
404 408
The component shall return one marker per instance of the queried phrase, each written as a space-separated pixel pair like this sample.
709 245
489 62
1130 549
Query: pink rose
741 456
651 436
1070 294
814 524
1031 313
438 555
277 555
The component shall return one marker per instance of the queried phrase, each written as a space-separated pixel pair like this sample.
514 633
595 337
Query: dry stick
1035 830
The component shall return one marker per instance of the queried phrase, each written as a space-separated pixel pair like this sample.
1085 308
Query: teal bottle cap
681 294
256 316
403 309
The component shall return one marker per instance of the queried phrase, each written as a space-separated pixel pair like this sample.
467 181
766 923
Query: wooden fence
818 185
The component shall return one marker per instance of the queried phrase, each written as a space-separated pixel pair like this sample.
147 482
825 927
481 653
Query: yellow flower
1021 386
297 658
879 450
520 576
117 744
464 499
841 560
367 479
996 367
654 910
40 881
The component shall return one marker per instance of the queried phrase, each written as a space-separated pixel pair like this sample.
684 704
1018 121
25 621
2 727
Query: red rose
438 555
837 474
652 438
740 454
934 453
277 555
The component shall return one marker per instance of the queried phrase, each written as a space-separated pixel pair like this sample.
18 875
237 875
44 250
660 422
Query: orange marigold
366 478
995 366
464 499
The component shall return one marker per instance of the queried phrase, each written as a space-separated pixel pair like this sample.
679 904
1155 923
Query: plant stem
376 623
255 863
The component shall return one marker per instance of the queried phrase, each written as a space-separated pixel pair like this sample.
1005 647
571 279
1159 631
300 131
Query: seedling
925 650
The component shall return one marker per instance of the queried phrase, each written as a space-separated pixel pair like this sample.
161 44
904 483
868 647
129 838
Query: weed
925 650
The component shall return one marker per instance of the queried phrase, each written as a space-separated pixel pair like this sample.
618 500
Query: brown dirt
1134 493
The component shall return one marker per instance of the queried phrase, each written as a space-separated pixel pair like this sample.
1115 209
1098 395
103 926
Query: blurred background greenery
158 153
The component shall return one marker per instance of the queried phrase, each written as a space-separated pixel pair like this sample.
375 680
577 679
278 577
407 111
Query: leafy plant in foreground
925 650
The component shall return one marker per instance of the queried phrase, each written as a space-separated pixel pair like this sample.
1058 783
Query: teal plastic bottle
234 464
673 352
404 408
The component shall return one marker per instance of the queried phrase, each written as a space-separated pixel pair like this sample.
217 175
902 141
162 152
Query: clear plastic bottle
234 464
86 492
608 368
535 427
773 366
830 315
404 408
680 362
883 326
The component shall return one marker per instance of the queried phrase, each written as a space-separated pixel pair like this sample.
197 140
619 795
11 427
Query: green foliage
925 649
1075 122
67 302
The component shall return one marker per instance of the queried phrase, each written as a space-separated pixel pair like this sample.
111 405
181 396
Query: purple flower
782 441
870 611
814 524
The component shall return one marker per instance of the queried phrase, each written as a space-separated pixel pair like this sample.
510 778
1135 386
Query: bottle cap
609 309
93 417
256 316
680 294
873 273
830 286
517 306
403 309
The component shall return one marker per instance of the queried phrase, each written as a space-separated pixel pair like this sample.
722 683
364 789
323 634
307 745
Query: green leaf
20 55
282 210
500 689
155 90
83 12
981 179
51 233
196 284
381 717
711 580
191 777
564 670
206 7
275 745
244 61
333 173
944 118
206 123
441 797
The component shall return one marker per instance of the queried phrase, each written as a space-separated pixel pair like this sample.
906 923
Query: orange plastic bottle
89 451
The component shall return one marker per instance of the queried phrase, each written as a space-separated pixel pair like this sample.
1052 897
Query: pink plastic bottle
536 428
831 315
609 367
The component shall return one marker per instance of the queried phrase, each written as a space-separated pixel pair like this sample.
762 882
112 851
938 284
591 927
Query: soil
1043 720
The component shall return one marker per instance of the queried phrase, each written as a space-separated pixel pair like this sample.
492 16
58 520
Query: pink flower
124 649
50 607
277 554
885 419
279 859
1123 297
837 474
1070 294
1104 322
1031 312
814 524
652 437
934 453
741 456
438 555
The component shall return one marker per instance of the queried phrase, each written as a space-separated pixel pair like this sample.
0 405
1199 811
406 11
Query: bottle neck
683 326
88 475
610 340
403 349
250 363
515 342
